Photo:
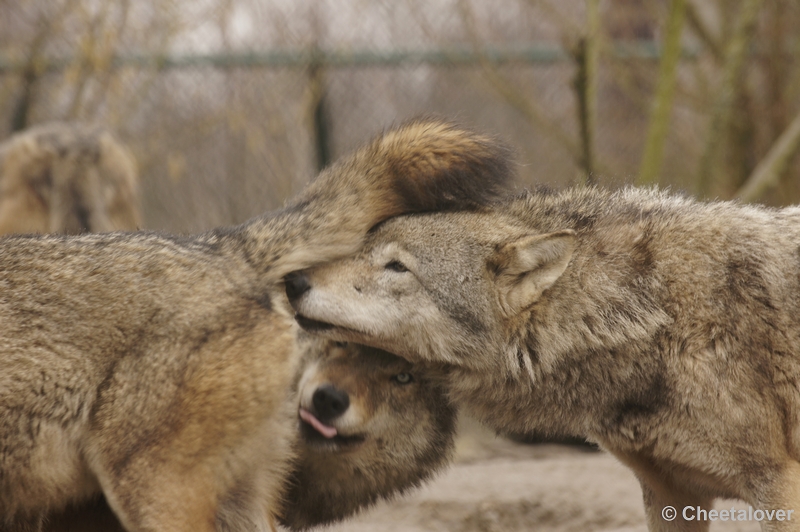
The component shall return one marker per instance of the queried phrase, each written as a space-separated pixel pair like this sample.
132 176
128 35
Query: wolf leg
173 503
668 508
780 501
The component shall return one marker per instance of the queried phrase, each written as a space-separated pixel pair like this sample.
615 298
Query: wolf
67 178
663 328
372 426
157 369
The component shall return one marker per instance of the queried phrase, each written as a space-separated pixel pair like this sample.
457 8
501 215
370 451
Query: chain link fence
230 106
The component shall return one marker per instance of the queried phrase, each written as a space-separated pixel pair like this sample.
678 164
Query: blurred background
230 106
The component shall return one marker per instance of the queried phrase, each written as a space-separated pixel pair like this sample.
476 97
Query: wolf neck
553 376
605 313
609 296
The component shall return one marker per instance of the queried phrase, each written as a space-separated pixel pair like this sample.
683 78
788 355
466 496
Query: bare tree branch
47 26
662 105
701 29
772 167
586 89
514 97
723 107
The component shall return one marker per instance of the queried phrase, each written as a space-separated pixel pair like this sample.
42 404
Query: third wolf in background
67 178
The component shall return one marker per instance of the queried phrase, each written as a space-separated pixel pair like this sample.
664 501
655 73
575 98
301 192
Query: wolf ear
530 265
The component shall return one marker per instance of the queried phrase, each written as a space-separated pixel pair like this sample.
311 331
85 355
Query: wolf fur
396 431
665 329
156 369
67 178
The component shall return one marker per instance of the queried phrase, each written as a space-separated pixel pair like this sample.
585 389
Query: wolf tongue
325 430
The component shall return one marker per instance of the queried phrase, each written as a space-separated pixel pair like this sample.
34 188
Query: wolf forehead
348 360
530 212
444 235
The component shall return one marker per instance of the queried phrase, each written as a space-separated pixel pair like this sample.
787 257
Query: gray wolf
665 329
372 426
157 369
394 429
67 178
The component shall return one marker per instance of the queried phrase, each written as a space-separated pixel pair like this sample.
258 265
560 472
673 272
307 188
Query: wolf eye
396 266
340 344
403 378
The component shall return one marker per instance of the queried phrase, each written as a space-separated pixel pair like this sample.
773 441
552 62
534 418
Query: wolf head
548 275
372 425
433 287
67 178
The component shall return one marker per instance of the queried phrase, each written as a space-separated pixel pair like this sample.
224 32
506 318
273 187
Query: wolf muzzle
329 402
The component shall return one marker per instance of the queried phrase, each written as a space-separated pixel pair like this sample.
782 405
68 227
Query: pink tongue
325 430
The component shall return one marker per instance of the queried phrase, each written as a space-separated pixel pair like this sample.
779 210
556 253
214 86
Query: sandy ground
496 485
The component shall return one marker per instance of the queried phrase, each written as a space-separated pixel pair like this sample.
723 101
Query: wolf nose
296 285
329 402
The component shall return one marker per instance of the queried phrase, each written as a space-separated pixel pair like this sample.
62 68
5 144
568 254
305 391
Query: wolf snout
330 402
296 285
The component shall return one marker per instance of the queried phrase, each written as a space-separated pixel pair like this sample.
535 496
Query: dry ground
496 485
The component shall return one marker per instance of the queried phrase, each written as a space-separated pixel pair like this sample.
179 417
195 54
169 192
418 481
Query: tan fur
665 329
157 369
67 178
397 436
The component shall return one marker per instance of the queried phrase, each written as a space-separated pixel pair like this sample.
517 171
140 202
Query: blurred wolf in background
67 178
157 369
665 329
